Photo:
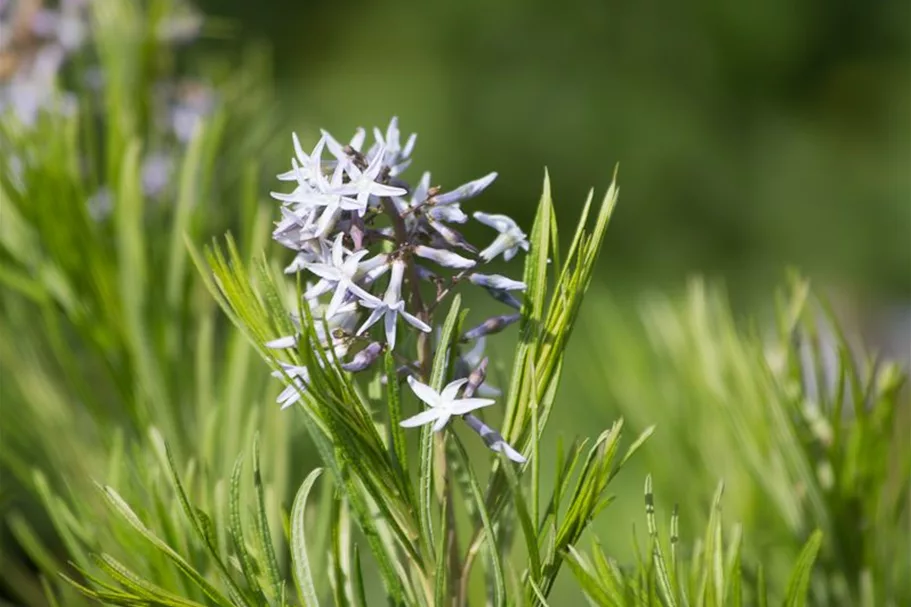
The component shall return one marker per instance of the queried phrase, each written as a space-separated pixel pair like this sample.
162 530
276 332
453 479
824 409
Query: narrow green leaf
664 582
262 526
394 405
235 524
528 528
499 597
302 573
360 594
587 579
733 594
127 513
799 581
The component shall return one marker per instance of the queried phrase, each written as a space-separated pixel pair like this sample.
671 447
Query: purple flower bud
444 258
425 274
496 281
504 297
452 237
493 439
364 358
465 191
490 326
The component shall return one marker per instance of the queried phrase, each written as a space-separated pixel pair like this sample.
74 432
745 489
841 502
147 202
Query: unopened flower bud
452 237
465 191
450 213
475 379
364 358
496 281
425 274
493 439
504 297
444 258
490 326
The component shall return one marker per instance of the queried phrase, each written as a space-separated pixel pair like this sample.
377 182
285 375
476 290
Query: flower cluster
374 249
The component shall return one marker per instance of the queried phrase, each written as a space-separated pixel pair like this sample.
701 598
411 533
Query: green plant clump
144 464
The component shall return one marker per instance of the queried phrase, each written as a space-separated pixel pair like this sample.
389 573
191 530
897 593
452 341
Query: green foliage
145 464
808 432
713 574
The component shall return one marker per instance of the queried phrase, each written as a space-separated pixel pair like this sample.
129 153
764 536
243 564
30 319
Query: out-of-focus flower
157 169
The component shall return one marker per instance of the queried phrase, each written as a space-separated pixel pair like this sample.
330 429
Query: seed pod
490 326
364 358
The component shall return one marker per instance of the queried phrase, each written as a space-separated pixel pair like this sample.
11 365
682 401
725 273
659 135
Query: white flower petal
441 422
467 405
282 342
424 392
390 322
450 391
501 223
415 322
424 417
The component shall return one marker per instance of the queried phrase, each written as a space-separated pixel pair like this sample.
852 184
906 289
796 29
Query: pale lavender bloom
300 379
496 281
304 258
338 150
418 196
389 150
390 307
465 191
338 274
100 204
195 102
443 405
364 358
509 241
443 257
314 190
157 170
305 168
363 184
450 213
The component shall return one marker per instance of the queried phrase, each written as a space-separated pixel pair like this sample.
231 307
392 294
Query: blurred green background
750 136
